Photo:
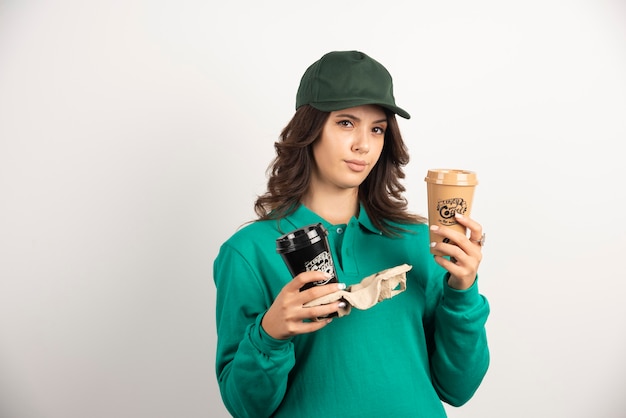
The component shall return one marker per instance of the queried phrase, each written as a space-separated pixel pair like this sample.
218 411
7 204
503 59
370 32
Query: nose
361 142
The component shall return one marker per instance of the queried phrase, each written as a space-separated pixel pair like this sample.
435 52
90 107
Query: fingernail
328 275
341 286
342 305
434 227
458 215
432 244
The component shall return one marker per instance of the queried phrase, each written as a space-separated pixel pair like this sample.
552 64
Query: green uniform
400 358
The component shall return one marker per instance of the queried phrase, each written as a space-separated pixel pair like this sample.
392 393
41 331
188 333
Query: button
340 231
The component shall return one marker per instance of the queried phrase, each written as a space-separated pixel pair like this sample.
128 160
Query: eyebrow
347 115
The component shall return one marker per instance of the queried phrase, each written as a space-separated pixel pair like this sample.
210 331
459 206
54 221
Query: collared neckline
304 216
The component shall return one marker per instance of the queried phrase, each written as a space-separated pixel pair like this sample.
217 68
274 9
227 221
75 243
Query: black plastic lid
300 238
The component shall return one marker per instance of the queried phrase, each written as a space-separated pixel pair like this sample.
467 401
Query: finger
464 272
314 325
476 229
314 315
455 244
324 311
463 254
322 290
310 278
449 234
480 241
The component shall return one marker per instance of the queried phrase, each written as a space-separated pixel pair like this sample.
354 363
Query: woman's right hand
288 317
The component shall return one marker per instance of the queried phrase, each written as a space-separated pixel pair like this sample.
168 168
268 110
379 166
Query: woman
339 162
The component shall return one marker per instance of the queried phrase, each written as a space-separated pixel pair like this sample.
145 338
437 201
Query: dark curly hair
290 173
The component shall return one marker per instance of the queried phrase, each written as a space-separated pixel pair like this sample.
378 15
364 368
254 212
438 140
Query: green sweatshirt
400 358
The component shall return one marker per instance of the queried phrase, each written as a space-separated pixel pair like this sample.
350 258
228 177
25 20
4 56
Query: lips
356 165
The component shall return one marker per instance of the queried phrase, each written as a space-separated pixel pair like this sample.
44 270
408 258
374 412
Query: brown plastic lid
451 177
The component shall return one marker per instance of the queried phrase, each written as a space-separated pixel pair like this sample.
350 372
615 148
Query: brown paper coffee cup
449 191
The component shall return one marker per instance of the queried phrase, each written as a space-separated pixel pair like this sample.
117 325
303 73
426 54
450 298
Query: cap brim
339 105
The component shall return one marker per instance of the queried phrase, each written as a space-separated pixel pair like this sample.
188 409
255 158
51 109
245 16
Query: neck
337 208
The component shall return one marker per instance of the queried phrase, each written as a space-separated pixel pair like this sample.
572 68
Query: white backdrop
134 137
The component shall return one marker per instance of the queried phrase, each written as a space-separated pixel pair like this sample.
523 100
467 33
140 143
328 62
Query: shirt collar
304 216
366 222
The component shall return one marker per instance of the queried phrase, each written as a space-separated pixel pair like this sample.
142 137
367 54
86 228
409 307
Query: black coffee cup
307 249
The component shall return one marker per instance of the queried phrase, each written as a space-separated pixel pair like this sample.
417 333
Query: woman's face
351 143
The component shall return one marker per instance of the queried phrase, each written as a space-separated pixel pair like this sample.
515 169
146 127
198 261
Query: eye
378 130
345 123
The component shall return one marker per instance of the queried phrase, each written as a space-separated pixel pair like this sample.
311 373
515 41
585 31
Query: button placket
348 250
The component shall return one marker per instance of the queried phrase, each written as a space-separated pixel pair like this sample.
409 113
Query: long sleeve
400 358
460 358
251 366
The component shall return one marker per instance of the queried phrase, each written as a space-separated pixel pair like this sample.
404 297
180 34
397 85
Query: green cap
343 79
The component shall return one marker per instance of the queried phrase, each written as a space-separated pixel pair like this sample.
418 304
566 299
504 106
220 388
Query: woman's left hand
465 256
